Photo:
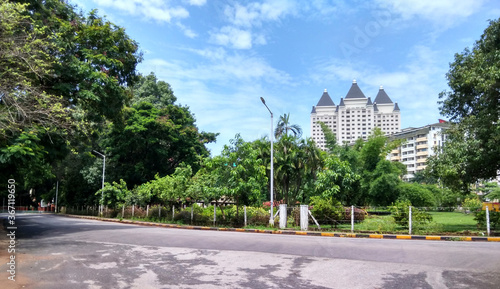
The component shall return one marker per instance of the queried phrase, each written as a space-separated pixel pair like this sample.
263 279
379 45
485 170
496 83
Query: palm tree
284 127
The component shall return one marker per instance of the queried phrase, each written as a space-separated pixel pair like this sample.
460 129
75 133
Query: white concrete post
173 212
245 214
352 219
304 217
159 212
123 211
487 220
283 216
191 213
409 220
133 208
147 211
215 214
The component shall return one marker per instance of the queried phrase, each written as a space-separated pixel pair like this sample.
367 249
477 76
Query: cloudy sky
221 56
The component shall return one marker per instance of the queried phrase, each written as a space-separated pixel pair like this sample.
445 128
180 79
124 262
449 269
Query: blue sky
220 57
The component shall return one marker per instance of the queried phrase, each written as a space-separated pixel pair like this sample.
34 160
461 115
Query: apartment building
355 116
417 146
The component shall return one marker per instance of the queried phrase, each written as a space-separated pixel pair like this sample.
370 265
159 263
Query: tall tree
284 126
149 89
473 106
152 141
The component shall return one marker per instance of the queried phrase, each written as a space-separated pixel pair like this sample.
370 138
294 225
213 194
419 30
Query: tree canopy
473 106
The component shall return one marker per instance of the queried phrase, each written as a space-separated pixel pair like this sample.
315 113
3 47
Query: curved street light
271 219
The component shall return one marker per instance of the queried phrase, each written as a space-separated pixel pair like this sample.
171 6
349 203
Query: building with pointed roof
355 116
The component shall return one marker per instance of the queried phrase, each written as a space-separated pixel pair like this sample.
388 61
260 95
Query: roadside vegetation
70 95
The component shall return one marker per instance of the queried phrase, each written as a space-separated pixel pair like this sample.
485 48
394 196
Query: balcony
421 168
422 139
395 158
424 153
422 146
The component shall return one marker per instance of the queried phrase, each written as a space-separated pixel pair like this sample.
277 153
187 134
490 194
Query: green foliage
472 204
336 179
378 224
471 151
114 194
385 181
284 127
401 214
149 89
327 209
480 218
147 135
330 138
416 194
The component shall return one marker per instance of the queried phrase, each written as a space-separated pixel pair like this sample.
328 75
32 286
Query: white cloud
245 20
197 2
187 31
150 9
232 37
444 13
254 14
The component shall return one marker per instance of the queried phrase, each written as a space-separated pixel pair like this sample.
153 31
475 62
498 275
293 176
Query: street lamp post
271 219
103 171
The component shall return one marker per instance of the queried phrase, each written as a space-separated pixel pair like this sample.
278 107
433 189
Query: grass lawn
454 222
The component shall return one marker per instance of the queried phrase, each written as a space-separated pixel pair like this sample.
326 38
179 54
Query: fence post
409 220
133 208
352 219
173 213
147 211
245 216
487 220
191 214
159 212
304 218
215 214
282 216
123 210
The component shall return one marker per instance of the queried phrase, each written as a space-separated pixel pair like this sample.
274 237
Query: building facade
418 144
355 116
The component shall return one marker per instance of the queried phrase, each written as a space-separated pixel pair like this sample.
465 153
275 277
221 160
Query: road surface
60 252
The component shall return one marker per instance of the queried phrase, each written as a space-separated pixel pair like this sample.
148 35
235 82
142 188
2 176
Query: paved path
58 252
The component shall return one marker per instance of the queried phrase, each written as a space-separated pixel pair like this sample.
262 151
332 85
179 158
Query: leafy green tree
95 63
114 194
335 180
417 194
330 138
383 187
153 141
149 89
473 108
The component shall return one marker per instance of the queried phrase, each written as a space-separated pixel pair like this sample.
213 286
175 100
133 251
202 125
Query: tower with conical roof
355 117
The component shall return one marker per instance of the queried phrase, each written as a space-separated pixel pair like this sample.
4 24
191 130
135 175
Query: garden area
378 220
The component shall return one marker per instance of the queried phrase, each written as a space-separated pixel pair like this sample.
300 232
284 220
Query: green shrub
400 212
327 210
378 224
472 204
480 217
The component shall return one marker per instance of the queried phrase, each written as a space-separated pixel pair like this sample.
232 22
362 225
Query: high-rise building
355 116
418 144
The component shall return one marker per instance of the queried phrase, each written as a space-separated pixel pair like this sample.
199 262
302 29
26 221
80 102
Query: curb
301 233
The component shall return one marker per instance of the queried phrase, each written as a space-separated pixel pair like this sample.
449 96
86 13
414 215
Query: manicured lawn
454 222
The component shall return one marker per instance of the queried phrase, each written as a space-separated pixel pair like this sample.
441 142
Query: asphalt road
60 252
